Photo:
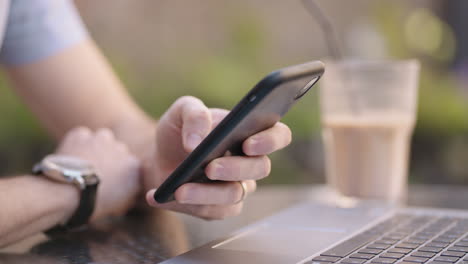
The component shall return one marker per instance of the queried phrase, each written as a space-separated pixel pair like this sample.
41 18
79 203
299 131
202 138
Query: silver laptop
325 234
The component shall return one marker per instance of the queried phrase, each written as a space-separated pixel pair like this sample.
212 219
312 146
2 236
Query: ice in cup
368 112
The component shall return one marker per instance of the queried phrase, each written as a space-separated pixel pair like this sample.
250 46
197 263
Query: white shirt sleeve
37 29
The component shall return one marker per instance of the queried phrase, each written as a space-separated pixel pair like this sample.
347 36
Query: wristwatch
71 170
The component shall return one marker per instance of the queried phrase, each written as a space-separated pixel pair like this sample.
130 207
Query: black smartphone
260 109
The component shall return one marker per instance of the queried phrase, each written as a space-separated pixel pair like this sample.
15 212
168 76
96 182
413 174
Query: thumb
150 198
196 122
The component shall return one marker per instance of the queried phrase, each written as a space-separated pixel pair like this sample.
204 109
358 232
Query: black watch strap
82 214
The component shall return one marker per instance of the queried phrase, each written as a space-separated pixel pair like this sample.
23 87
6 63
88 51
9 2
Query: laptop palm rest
288 237
300 231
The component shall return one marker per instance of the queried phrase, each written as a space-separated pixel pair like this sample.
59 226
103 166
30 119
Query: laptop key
353 261
437 244
415 241
452 236
423 254
392 255
384 260
447 259
362 256
400 250
378 246
326 259
416 259
422 237
348 246
439 262
462 244
459 249
372 251
406 245
453 254
430 249
442 239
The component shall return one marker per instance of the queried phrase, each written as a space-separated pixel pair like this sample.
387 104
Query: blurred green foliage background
217 50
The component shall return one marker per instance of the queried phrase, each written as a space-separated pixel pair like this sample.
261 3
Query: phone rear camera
306 88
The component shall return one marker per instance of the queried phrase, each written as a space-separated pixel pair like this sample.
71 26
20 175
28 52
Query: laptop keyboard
404 239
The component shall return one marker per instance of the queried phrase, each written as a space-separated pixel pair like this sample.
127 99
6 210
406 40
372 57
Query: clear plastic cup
368 112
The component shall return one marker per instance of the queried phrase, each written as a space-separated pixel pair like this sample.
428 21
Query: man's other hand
117 169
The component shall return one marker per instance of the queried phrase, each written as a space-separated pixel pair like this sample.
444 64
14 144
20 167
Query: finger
219 193
78 134
268 141
217 115
104 134
218 212
196 122
251 186
208 212
236 168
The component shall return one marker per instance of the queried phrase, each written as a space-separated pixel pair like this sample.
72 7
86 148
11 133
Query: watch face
69 163
67 169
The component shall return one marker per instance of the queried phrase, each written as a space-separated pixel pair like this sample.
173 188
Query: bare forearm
77 87
32 204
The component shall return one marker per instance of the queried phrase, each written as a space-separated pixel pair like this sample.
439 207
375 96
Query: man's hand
117 169
179 131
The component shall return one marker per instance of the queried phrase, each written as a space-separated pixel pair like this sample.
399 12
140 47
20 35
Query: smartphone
260 109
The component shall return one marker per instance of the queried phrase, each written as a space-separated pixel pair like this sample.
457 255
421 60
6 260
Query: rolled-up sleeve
37 29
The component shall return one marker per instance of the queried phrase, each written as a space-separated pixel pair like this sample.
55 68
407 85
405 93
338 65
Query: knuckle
104 133
198 115
213 212
210 171
207 213
78 133
187 99
235 192
182 193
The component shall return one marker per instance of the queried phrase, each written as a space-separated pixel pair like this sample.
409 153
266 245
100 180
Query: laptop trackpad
283 240
302 231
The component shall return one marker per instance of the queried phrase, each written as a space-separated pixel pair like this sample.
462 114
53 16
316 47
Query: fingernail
193 140
253 146
218 171
150 197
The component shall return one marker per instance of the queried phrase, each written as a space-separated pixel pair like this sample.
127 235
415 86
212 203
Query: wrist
78 174
64 199
70 201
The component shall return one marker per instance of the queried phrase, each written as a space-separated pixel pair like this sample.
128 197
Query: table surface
159 235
